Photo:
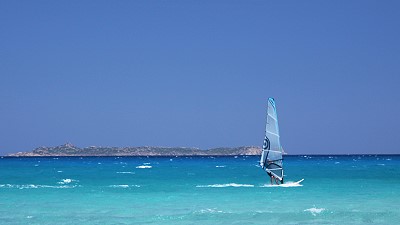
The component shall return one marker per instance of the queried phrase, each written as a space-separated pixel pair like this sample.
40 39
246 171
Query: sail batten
271 156
273 133
274 151
272 117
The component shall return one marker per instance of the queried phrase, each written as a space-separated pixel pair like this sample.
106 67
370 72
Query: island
72 150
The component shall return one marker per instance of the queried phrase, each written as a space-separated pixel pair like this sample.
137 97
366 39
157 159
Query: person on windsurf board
272 152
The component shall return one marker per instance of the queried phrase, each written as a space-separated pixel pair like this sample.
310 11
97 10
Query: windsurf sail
271 156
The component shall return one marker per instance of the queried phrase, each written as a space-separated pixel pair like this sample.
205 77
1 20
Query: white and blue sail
271 157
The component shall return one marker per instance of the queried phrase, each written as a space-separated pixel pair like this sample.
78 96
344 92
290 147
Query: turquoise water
199 190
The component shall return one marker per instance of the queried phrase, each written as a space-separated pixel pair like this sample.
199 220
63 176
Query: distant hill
71 150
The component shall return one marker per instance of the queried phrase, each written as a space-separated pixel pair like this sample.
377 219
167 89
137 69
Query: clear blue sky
198 74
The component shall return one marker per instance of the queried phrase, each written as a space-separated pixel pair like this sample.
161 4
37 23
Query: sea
348 189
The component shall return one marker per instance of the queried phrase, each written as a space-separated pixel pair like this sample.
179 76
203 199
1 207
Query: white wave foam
67 181
123 186
34 186
225 185
59 171
120 186
143 167
209 211
127 172
220 166
146 163
314 211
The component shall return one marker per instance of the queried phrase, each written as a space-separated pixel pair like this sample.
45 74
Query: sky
199 73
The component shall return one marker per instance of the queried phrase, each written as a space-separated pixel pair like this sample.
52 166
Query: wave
144 167
123 186
127 172
220 166
35 186
209 211
225 185
314 211
67 181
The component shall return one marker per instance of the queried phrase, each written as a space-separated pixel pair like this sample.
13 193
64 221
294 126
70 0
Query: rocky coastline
72 150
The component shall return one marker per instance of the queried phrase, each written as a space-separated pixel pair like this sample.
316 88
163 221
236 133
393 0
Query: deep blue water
199 190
